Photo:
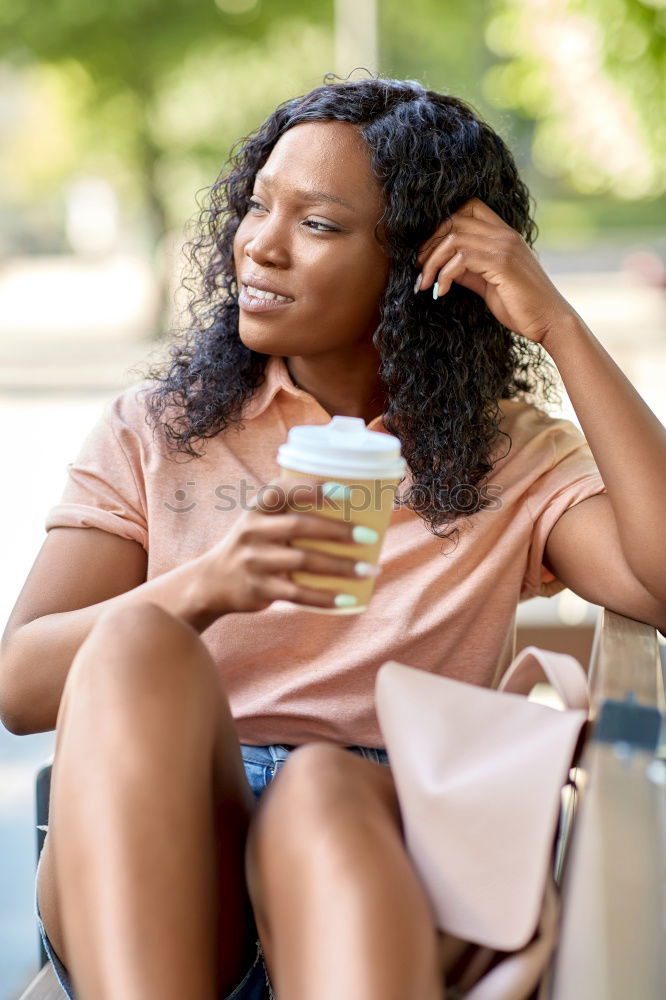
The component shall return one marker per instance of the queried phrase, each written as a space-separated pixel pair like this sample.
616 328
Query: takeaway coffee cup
369 463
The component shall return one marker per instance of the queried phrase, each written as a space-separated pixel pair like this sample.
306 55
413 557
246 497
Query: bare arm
607 549
73 582
624 534
81 572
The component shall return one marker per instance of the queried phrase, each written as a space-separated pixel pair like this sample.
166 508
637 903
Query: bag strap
534 666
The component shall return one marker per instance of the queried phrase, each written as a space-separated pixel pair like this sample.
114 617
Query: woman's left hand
478 250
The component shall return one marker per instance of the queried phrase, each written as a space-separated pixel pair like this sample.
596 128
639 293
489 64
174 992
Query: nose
267 242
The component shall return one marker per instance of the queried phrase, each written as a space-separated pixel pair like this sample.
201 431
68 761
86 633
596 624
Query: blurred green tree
152 93
591 75
157 90
444 47
576 88
123 57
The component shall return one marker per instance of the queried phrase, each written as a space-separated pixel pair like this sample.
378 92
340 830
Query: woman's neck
340 384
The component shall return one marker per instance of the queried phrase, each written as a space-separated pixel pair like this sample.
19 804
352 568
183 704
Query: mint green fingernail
366 569
364 535
435 291
336 491
345 600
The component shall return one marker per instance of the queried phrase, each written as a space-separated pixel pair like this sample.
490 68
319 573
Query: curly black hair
444 365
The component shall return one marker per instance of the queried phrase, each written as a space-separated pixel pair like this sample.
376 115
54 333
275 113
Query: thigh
331 775
315 780
264 763
48 910
314 789
185 660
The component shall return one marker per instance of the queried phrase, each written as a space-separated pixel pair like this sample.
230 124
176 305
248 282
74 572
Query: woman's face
308 235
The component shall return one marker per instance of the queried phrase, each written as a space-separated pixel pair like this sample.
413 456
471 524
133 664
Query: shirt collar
276 379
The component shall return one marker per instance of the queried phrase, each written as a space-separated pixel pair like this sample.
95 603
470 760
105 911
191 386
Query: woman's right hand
250 567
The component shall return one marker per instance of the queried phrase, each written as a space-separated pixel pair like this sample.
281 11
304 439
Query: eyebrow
309 195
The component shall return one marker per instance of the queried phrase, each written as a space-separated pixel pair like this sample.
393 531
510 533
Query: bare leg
339 907
143 894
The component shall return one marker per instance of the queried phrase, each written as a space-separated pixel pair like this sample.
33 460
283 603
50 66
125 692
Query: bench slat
625 658
611 938
44 986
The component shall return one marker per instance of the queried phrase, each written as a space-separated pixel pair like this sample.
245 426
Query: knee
293 811
138 646
322 800
323 788
141 625
143 616
315 773
316 783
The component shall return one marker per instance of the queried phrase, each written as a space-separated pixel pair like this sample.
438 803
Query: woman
368 254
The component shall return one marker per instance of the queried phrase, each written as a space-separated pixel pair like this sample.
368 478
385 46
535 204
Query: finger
457 223
290 493
433 241
275 589
457 270
477 209
288 559
484 253
470 231
290 526
475 283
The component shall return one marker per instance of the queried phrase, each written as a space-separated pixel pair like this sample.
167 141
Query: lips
251 281
258 295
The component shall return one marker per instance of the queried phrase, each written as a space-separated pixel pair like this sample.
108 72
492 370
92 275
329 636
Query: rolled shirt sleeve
572 477
105 487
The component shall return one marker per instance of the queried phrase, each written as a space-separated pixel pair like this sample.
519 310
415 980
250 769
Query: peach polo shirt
292 675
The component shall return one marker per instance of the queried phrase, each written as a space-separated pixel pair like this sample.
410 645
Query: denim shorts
261 765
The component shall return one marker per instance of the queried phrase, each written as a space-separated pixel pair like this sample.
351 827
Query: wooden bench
44 986
613 857
612 944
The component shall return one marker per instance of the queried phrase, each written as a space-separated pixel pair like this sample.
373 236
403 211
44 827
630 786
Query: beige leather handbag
479 773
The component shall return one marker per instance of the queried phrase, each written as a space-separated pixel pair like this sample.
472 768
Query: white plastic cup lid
344 448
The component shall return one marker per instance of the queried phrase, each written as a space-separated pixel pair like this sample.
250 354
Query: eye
325 228
319 227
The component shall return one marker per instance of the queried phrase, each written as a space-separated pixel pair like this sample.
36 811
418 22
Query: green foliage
131 43
441 45
591 74
154 92
444 47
